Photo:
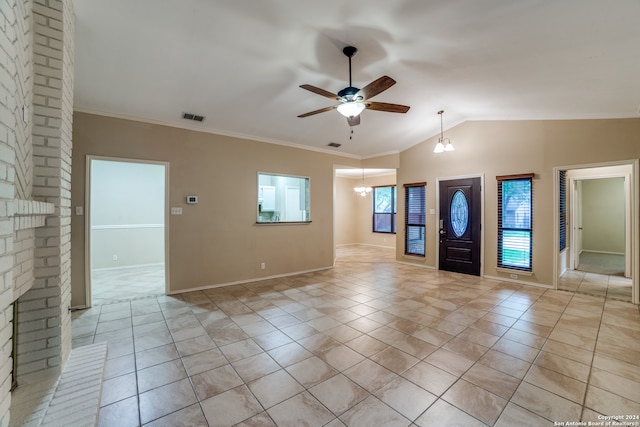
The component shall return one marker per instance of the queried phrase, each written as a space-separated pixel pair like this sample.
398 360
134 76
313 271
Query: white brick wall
15 92
28 215
44 322
36 71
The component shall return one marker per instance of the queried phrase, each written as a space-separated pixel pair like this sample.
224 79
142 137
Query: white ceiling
239 63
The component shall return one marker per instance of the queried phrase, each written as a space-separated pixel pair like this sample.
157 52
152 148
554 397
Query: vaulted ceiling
240 63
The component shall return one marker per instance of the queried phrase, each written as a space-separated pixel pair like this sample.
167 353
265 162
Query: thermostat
192 200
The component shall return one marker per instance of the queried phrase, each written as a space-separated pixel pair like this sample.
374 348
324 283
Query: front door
460 213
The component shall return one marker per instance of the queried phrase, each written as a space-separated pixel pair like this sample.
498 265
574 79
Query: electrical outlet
114 257
263 266
513 276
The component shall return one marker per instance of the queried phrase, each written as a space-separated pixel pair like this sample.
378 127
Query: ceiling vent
194 117
334 145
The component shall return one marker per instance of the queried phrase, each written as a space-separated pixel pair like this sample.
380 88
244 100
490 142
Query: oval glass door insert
459 214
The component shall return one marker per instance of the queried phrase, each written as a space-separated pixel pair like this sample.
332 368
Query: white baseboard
601 252
241 282
128 266
520 282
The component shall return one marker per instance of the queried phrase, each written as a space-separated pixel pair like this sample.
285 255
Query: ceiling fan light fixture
351 108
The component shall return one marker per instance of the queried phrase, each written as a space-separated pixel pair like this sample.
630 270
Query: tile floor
138 282
367 343
602 285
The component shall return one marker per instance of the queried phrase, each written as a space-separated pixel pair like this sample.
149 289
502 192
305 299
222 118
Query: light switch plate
176 211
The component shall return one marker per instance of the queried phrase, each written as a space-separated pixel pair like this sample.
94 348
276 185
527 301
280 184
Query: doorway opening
597 258
354 238
126 230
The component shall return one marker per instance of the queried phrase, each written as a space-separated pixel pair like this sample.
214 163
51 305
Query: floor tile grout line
135 365
307 389
593 356
421 359
473 364
522 380
232 367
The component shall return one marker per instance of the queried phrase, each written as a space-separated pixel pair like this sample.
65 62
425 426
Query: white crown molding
214 132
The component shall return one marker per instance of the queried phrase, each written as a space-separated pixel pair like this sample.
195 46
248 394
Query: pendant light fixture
363 190
441 145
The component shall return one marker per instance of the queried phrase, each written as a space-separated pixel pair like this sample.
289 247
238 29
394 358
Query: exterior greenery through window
515 221
415 219
384 209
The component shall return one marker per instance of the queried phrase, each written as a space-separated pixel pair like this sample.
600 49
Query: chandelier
363 190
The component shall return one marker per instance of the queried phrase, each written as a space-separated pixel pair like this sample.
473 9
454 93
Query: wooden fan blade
383 106
375 87
319 91
354 121
322 110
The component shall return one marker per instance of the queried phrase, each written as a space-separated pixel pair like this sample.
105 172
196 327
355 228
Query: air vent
194 117
334 145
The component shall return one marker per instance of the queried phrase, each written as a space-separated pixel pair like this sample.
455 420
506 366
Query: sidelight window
415 219
562 204
515 211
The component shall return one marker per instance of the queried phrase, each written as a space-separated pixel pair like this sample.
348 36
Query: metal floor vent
334 145
194 117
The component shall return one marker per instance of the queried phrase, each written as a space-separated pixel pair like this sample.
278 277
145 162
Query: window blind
515 221
415 218
562 205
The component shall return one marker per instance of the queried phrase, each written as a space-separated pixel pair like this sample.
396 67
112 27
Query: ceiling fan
352 101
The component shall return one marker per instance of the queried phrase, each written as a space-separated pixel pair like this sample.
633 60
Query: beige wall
364 214
603 215
346 202
492 148
354 213
216 241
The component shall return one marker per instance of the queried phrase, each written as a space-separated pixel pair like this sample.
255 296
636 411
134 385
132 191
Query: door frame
632 195
576 218
87 219
575 223
436 225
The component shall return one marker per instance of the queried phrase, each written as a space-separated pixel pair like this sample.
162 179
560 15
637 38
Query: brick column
44 322
15 155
